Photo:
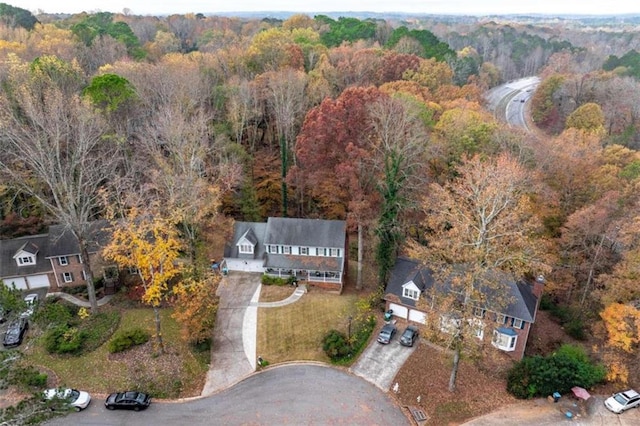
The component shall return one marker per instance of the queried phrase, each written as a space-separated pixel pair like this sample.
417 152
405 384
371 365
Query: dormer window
410 293
26 260
246 249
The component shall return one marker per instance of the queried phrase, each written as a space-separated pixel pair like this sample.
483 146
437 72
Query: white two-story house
312 250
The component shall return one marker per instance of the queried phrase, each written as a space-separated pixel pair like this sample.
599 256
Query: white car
77 399
622 401
31 300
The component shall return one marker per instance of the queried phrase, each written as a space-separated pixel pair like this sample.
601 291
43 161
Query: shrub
270 280
98 329
28 377
336 345
126 339
53 312
540 376
64 339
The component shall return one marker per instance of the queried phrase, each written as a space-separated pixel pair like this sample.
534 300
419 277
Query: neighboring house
508 330
312 250
50 260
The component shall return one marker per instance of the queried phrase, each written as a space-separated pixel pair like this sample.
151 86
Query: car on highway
409 336
15 332
130 400
386 334
622 401
75 398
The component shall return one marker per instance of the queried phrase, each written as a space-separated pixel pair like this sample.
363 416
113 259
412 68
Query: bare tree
52 148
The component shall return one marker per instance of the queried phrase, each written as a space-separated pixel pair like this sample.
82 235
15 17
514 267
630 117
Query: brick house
51 260
508 330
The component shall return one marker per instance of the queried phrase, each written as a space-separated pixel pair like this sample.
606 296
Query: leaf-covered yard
178 373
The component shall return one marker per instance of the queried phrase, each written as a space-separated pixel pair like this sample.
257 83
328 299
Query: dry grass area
178 373
275 293
426 374
295 331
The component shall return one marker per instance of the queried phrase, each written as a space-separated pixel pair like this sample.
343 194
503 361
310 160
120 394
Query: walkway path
80 302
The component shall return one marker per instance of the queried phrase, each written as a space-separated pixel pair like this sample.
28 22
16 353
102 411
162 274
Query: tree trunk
360 251
454 369
156 315
283 154
86 267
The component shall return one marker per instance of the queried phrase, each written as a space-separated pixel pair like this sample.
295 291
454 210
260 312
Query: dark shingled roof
305 232
522 300
249 230
9 248
62 242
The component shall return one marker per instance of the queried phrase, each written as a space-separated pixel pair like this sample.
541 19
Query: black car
386 334
409 336
15 332
128 401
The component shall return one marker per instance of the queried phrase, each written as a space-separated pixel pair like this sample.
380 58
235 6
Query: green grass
98 372
295 331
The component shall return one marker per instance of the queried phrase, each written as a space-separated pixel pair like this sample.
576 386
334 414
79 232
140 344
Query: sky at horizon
457 7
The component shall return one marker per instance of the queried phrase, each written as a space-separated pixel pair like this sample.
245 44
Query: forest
380 122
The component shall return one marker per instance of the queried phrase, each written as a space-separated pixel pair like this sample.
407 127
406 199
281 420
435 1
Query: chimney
538 286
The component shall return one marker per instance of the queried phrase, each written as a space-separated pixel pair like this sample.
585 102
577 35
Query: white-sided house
312 250
508 330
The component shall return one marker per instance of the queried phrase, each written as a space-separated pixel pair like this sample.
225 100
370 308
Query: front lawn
294 332
179 373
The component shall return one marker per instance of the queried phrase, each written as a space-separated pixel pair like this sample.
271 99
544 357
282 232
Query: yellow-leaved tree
622 322
149 245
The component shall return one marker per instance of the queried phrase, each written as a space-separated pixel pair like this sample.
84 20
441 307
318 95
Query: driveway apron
379 363
229 360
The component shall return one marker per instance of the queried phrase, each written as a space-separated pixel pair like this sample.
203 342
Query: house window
501 319
410 293
504 339
273 249
246 248
26 260
478 312
478 328
286 249
334 252
518 323
67 277
304 250
449 324
63 261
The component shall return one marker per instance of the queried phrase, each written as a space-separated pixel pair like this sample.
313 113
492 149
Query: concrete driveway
380 363
540 412
235 332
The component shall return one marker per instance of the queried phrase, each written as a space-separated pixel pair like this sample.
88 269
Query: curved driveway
306 394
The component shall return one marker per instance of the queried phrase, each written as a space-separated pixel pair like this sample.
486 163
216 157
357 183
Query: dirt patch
423 382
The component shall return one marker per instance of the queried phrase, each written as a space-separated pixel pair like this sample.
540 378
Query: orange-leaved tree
149 245
622 322
196 305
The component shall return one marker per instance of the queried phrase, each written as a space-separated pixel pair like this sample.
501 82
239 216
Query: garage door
244 265
38 281
399 310
20 283
417 316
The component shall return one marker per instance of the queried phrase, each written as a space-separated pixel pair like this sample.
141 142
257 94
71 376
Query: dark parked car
15 332
409 336
128 401
386 334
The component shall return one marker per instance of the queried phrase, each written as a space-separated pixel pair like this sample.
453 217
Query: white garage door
38 281
417 316
399 310
20 283
244 265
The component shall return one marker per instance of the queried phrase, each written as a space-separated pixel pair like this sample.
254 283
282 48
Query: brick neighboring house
51 260
312 250
508 330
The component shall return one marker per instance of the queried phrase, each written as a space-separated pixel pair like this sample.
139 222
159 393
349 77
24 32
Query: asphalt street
287 395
